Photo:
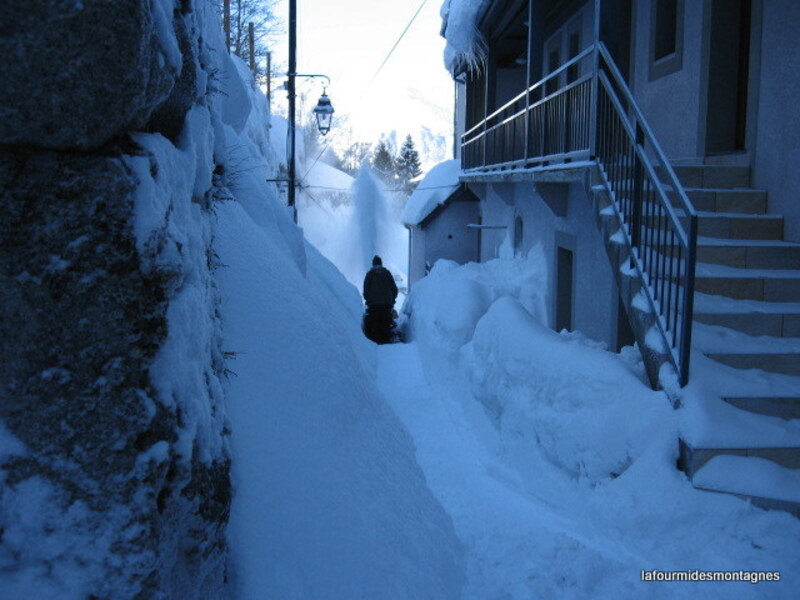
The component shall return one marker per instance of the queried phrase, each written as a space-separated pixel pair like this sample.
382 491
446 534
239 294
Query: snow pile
434 189
556 392
465 45
446 307
566 457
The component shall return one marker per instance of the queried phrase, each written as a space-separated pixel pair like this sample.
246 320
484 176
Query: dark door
728 71
564 275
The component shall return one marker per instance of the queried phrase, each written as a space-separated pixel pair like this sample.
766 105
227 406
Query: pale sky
348 40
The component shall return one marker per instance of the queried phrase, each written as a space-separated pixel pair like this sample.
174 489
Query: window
666 28
666 37
574 50
553 62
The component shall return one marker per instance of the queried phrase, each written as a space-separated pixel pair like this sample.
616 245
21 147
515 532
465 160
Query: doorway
728 71
564 275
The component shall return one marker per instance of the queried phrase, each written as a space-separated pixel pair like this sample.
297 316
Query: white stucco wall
673 104
416 255
778 130
496 210
445 236
448 236
595 295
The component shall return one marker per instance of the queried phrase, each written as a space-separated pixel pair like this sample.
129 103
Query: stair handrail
641 134
648 132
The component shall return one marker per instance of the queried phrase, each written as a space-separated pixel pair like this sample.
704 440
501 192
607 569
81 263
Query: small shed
438 216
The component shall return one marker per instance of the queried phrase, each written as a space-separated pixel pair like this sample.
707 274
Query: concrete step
786 364
762 482
739 227
748 284
742 351
780 324
742 254
749 254
713 176
773 406
692 459
724 225
741 200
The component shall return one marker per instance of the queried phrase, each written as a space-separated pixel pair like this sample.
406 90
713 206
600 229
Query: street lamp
323 111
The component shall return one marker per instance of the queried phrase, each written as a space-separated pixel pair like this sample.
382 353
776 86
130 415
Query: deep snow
329 501
555 460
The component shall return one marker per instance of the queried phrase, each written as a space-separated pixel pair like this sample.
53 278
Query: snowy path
529 532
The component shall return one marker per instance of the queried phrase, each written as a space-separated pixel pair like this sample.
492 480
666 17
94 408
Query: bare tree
267 26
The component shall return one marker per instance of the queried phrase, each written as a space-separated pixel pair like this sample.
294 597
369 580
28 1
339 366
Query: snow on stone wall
115 467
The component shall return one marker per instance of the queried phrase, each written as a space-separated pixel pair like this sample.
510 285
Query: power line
366 89
395 46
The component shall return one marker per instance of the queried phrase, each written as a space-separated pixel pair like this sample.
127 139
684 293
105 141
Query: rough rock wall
111 485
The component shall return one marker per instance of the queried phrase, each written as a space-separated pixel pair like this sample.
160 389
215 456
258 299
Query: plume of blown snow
371 215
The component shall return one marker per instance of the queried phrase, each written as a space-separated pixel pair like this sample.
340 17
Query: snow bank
329 501
584 408
447 304
584 397
436 187
557 462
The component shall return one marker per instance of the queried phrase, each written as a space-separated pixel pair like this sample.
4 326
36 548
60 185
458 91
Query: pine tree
382 162
408 165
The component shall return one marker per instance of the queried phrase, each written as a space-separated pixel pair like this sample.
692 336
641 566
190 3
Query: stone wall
101 493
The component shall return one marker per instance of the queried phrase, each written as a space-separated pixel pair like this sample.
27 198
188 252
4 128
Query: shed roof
437 186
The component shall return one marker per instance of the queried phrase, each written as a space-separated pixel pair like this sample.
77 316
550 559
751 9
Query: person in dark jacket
380 292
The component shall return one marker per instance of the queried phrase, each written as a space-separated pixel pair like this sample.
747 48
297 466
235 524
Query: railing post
638 183
688 302
593 108
483 145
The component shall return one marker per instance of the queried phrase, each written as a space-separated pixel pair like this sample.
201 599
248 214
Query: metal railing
542 124
596 116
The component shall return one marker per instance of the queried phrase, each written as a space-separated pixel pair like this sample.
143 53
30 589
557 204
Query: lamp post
290 91
323 111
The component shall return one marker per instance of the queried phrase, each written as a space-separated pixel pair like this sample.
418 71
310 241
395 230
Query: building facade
647 148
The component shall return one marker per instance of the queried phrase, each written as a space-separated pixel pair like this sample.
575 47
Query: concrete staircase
747 316
746 319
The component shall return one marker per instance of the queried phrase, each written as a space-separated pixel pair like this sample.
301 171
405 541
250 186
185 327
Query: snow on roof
465 44
437 186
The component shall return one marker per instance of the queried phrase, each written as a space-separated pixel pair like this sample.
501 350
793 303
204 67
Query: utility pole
251 34
290 90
